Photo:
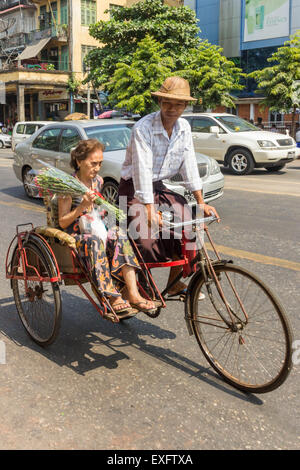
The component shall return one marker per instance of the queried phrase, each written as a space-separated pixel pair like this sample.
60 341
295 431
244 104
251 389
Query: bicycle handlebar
203 220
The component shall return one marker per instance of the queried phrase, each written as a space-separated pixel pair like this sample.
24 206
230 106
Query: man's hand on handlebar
210 210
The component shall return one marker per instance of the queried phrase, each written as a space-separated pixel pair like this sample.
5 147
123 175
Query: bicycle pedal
111 317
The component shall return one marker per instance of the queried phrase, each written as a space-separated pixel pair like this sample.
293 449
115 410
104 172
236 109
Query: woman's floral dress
104 262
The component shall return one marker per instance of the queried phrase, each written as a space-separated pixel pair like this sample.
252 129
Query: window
236 124
84 51
113 138
276 117
47 140
44 17
30 129
63 11
88 12
20 128
188 119
69 139
202 125
64 58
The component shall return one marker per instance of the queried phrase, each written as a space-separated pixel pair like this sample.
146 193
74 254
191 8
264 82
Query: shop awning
33 49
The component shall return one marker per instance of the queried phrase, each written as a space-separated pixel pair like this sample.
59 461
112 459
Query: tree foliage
125 67
131 84
212 77
280 83
175 27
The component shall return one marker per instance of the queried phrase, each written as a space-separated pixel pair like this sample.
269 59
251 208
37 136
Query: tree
212 77
176 28
280 83
131 84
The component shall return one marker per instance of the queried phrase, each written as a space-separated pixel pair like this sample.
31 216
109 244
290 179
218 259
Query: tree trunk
293 129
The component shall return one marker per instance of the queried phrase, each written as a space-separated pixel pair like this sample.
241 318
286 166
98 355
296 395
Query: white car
53 142
5 140
24 129
238 144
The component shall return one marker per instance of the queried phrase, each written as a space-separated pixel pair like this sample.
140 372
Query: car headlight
214 167
266 143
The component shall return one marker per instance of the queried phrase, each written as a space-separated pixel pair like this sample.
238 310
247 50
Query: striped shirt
152 156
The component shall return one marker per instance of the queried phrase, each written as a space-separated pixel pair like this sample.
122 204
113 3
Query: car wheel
110 191
27 182
240 162
275 168
1 144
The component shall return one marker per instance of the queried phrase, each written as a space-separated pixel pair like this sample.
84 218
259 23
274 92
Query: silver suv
53 143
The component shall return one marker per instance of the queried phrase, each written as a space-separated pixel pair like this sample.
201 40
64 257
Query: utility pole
70 43
88 100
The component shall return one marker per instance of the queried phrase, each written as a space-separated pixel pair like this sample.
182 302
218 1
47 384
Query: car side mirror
214 130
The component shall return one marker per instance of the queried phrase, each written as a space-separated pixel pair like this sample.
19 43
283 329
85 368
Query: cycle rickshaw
240 325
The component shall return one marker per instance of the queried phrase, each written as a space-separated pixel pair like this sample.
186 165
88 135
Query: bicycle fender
43 246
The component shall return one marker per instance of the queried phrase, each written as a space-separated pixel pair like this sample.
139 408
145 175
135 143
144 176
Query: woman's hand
87 200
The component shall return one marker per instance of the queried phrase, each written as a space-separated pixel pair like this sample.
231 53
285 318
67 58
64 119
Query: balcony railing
59 32
13 42
6 4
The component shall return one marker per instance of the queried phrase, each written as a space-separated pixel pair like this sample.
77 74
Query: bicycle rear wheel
38 306
252 353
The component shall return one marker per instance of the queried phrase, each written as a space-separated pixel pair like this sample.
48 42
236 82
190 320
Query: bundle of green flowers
51 181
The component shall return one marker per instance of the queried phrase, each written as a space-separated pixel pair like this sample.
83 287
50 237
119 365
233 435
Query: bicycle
239 323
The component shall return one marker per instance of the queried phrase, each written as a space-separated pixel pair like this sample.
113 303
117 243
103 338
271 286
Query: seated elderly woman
107 258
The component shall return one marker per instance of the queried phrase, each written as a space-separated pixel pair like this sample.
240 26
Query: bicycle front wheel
249 341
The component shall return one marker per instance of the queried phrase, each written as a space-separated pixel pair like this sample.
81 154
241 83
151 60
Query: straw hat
176 88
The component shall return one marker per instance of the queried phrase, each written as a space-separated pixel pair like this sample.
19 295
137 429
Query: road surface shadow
17 192
255 172
87 342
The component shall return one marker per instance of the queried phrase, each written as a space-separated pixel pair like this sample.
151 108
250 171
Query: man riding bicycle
160 147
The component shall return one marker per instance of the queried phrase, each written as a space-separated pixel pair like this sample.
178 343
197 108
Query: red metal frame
79 273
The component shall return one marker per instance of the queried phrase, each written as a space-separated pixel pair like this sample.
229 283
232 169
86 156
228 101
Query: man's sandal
182 293
144 309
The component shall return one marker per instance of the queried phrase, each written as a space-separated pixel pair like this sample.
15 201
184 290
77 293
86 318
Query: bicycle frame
79 273
203 261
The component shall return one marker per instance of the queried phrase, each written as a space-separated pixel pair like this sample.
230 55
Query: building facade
42 44
249 31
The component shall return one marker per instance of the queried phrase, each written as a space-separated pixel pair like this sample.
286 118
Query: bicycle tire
40 313
261 363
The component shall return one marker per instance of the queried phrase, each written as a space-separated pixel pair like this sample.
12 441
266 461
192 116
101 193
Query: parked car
5 140
112 114
24 129
53 143
238 144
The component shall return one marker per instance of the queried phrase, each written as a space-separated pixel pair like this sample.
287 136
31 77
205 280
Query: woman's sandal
145 310
126 309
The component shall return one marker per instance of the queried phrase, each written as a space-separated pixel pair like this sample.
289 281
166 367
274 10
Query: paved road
144 384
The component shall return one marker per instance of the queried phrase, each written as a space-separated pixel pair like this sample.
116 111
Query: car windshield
236 124
114 138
